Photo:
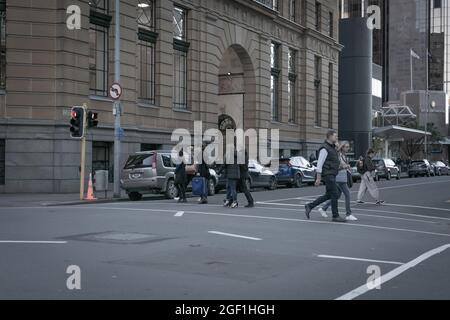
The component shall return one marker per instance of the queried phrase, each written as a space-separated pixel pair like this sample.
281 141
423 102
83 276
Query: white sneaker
176 198
323 213
351 218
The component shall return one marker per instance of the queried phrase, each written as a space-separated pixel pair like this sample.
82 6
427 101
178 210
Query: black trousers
245 191
181 190
332 193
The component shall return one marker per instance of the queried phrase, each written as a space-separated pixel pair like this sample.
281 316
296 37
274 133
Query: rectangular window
318 91
330 95
146 51
179 23
292 80
292 10
331 25
318 16
98 47
2 44
180 80
180 67
2 162
274 81
147 71
272 4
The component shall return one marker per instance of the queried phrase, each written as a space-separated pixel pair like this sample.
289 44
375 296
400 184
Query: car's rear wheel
211 187
298 181
171 190
135 196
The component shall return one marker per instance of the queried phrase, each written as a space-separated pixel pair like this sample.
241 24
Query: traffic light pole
83 155
117 106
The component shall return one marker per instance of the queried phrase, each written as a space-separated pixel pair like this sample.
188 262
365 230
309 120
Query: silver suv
153 172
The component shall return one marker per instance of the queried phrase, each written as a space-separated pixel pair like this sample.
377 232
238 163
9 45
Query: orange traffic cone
90 192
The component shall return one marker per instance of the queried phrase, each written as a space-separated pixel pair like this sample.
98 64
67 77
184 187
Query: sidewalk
52 199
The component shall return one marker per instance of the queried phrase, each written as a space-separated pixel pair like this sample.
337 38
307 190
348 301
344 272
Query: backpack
360 166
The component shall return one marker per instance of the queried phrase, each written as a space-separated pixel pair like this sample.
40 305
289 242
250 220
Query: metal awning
399 133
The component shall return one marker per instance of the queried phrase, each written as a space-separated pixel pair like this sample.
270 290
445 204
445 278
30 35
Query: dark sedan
295 171
420 168
386 169
259 177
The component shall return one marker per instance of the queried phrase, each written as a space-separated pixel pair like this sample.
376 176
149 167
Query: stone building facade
266 64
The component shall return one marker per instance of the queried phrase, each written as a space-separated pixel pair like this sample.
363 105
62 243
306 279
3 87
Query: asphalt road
164 250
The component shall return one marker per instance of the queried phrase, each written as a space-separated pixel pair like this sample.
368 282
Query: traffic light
77 122
92 119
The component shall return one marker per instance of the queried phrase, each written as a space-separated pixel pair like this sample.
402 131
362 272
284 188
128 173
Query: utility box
101 180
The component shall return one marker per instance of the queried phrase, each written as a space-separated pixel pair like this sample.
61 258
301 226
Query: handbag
349 179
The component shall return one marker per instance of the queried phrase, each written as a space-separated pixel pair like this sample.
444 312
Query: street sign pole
117 106
83 154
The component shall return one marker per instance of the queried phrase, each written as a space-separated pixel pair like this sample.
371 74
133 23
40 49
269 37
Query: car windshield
139 161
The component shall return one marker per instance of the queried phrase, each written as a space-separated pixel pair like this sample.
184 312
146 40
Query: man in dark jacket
328 168
232 173
244 177
203 171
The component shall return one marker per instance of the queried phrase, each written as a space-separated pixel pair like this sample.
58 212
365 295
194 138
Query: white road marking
179 214
411 206
367 226
359 209
359 259
394 273
234 235
31 242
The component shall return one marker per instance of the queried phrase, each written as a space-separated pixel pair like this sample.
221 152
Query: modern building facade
265 64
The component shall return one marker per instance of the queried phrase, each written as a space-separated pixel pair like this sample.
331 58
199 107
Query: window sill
100 98
276 122
182 110
147 105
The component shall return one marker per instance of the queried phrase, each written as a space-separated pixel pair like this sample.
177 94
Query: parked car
355 174
153 172
441 169
420 168
386 169
259 177
293 172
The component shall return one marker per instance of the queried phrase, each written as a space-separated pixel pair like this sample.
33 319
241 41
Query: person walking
181 180
367 170
328 168
342 180
233 174
244 177
203 171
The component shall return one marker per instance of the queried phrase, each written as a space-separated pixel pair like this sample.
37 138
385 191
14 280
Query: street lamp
432 105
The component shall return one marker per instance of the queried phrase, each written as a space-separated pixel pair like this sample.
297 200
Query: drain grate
118 237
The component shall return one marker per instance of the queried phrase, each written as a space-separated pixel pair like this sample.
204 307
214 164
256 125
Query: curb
81 202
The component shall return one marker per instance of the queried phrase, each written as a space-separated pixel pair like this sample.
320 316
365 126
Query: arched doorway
237 90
